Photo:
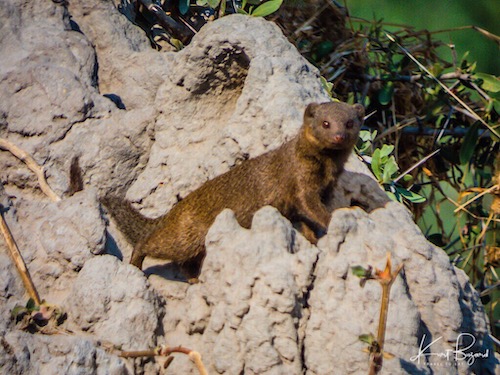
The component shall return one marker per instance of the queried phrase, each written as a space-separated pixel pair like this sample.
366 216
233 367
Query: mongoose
296 178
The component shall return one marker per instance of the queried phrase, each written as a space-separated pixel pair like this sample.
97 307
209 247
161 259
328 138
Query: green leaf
17 311
490 82
436 69
367 136
267 8
183 6
386 151
30 305
393 196
407 177
177 44
469 144
241 9
360 271
496 105
385 95
365 141
214 3
410 195
326 85
376 164
390 168
222 10
367 338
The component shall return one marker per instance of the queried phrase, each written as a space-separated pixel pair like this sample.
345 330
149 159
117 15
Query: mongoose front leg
137 256
314 212
307 232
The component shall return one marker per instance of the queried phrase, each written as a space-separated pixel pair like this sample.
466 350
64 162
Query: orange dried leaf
386 273
427 171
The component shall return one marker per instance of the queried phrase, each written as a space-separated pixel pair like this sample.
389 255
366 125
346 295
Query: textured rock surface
23 353
247 313
248 88
269 302
105 290
425 301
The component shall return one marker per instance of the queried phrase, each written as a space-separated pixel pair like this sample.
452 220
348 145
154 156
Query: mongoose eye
326 125
349 124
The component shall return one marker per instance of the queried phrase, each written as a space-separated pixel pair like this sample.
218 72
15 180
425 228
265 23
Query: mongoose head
333 125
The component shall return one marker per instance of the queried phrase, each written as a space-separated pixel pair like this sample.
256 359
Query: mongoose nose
339 138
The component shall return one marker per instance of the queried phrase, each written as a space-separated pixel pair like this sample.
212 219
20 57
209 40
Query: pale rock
80 80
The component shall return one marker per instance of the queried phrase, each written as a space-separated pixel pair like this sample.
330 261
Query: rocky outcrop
81 80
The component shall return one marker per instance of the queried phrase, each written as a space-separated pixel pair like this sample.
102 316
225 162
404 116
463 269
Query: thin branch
446 88
480 30
165 351
362 20
33 165
386 278
19 261
462 206
310 20
412 78
420 162
495 340
480 91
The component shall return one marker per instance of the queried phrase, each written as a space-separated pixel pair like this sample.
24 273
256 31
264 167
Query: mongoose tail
130 222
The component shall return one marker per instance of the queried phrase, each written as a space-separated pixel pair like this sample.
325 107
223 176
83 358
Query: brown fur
295 178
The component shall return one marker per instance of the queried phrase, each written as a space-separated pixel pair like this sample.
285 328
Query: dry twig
446 88
165 351
19 261
33 165
386 278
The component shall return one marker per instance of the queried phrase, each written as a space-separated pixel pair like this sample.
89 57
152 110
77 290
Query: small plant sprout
385 278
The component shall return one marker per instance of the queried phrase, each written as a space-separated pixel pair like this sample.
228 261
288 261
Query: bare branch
165 351
18 260
33 165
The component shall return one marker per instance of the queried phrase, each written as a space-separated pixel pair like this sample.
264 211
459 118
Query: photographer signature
458 354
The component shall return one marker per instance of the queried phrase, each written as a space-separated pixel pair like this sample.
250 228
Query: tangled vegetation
432 140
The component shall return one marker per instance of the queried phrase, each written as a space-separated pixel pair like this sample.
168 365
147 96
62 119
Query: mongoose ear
360 111
310 110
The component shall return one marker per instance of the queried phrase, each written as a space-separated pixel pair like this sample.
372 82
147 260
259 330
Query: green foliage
385 169
328 86
488 82
425 105
360 271
439 15
384 165
263 10
365 141
364 274
385 94
183 6
267 8
367 338
469 143
38 318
